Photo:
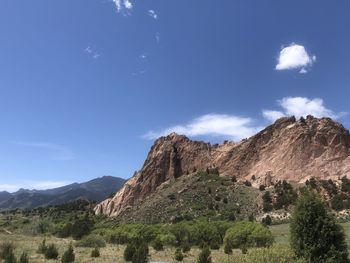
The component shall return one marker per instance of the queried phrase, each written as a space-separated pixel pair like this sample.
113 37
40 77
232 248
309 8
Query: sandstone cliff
290 149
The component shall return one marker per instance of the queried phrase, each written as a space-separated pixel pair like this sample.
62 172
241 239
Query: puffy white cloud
300 107
121 4
294 57
152 14
231 126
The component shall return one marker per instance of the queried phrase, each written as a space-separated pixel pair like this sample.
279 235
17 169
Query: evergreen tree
68 255
51 252
315 235
95 253
178 255
204 256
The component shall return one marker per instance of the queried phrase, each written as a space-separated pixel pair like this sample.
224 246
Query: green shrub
42 247
7 253
186 247
92 241
267 202
204 255
95 253
267 220
68 255
141 254
315 235
81 227
157 244
24 258
244 235
227 249
6 249
51 252
129 251
178 255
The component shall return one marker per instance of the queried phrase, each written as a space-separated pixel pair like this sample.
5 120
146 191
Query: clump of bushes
92 241
245 235
42 247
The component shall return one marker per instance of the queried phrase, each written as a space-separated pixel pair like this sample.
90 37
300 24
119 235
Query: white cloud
300 107
157 37
9 187
153 14
61 153
231 126
123 4
294 57
92 53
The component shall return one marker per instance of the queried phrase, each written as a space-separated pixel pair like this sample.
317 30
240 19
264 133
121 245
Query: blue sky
86 85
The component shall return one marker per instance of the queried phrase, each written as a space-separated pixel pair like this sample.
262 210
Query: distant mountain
95 190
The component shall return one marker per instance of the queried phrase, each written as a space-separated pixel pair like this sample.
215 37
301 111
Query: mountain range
289 149
94 190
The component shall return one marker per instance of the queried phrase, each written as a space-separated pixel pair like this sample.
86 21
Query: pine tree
68 256
315 235
204 256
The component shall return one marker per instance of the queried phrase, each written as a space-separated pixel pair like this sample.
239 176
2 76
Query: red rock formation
288 149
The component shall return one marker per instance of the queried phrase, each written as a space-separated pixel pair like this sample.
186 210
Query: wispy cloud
300 107
43 185
237 127
60 152
92 53
295 57
157 37
153 14
212 124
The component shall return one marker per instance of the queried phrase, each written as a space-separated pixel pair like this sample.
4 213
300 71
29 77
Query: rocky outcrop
290 149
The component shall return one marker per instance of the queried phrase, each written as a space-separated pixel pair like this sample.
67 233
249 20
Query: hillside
290 149
94 190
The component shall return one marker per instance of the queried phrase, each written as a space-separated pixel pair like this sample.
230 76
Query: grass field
114 253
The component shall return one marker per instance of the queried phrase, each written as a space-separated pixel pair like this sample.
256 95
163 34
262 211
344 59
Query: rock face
290 149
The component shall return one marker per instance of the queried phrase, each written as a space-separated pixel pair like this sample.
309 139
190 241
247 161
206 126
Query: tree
42 247
245 234
204 256
51 252
129 251
315 235
68 255
267 200
141 254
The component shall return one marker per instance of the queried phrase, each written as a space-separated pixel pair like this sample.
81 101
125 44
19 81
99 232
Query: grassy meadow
114 253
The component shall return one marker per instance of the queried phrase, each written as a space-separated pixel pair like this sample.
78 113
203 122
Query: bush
95 253
157 244
186 247
6 249
267 220
81 227
244 235
7 253
178 255
227 249
141 254
51 252
204 255
24 258
129 252
315 235
42 247
68 255
92 241
262 187
247 183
